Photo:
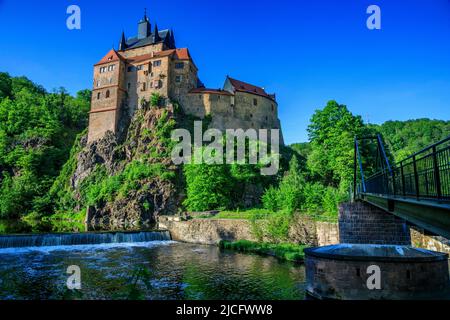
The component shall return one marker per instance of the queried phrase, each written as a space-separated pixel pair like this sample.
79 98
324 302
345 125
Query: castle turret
144 27
123 42
172 39
157 38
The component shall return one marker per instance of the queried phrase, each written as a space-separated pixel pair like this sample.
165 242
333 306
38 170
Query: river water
146 270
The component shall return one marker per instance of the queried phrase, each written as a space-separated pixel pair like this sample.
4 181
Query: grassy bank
248 214
259 213
284 251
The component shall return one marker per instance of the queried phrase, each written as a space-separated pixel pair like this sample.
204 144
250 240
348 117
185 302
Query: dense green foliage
37 131
404 138
40 135
284 251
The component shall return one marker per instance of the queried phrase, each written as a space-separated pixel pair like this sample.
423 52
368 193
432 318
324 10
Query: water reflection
159 270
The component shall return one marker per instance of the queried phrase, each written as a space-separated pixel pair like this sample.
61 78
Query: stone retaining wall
304 230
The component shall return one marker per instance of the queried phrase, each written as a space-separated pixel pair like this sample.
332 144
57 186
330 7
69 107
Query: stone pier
362 223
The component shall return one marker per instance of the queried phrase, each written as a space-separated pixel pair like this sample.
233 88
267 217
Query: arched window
107 94
98 95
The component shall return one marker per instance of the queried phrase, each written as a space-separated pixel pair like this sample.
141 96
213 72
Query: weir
60 239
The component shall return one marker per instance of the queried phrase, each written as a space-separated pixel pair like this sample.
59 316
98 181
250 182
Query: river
158 270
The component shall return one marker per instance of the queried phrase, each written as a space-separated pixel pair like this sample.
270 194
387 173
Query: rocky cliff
126 180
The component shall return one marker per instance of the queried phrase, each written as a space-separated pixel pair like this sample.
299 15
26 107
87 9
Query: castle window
111 67
273 108
130 68
199 96
251 115
102 69
157 84
98 83
107 94
144 86
129 85
255 102
139 67
99 95
178 79
179 65
110 80
157 63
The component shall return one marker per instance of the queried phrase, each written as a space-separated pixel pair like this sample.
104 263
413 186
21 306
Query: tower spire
172 39
123 42
156 34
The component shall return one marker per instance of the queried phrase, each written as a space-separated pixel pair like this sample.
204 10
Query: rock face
150 196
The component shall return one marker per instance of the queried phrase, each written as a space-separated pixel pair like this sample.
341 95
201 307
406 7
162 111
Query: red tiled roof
249 88
111 56
212 91
180 54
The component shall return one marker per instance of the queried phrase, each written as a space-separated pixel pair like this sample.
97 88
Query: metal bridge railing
424 175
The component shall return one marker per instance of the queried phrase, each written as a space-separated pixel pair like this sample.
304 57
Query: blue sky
308 52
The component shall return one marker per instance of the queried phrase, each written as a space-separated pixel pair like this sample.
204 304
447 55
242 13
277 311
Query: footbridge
416 189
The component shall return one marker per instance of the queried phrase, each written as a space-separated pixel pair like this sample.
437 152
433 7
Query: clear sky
308 52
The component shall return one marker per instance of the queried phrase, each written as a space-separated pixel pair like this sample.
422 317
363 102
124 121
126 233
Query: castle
151 63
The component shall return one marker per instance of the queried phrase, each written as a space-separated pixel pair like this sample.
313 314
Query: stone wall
329 278
207 231
420 239
366 224
304 230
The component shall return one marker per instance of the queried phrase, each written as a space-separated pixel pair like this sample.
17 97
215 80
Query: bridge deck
416 189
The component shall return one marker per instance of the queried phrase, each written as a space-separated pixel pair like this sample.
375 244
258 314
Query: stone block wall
366 224
303 230
420 239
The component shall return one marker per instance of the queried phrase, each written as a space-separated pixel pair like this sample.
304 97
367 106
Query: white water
68 239
84 247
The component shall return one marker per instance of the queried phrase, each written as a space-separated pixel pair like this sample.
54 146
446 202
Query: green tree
37 130
332 131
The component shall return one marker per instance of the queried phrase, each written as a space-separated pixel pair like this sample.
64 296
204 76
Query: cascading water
61 239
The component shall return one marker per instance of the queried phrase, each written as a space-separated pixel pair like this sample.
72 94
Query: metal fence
424 175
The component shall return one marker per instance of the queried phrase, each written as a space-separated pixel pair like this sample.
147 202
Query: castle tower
144 27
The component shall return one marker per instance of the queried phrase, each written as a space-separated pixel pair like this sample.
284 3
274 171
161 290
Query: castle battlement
150 63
